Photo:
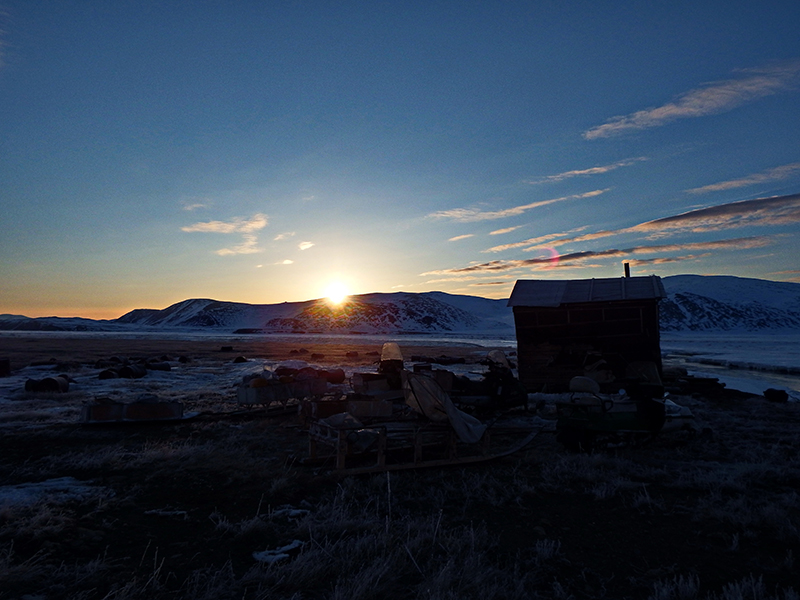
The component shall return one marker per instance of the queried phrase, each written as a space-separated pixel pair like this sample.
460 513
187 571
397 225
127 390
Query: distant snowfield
749 362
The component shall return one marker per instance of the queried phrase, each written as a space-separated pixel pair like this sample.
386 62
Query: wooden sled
401 446
438 435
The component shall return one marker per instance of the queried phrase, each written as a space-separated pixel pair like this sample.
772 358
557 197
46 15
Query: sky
267 151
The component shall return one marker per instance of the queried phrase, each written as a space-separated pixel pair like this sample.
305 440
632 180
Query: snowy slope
211 313
368 313
694 303
726 303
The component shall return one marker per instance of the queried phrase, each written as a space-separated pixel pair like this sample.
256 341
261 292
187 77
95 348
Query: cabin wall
553 342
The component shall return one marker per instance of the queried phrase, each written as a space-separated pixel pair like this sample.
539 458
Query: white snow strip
273 556
60 489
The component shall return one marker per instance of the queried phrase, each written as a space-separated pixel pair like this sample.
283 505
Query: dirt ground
183 510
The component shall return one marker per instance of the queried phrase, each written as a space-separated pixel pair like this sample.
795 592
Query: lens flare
551 254
336 292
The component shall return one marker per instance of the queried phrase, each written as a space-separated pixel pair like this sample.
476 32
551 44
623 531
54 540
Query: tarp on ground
425 396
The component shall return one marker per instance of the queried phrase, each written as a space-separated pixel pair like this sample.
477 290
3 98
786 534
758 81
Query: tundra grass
221 507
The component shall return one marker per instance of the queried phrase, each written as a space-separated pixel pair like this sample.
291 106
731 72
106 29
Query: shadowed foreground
219 506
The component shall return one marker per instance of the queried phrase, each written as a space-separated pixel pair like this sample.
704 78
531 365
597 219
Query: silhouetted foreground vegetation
220 507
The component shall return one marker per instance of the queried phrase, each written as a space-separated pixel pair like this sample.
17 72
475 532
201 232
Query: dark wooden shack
593 327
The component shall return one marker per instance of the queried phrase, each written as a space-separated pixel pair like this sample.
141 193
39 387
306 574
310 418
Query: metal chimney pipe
627 269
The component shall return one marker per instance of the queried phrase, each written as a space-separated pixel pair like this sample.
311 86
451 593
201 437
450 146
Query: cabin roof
545 292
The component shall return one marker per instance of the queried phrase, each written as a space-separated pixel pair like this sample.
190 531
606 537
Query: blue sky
261 151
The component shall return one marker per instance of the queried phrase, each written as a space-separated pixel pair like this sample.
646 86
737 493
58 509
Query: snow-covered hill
432 312
212 313
694 303
725 303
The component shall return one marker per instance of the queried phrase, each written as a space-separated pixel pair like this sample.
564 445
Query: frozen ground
746 362
181 383
492 340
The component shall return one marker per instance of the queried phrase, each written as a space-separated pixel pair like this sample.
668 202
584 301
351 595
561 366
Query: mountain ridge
693 303
728 303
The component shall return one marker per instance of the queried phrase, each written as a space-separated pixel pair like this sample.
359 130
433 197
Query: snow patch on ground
59 489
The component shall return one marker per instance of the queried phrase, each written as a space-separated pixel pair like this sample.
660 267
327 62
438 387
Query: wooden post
341 449
382 447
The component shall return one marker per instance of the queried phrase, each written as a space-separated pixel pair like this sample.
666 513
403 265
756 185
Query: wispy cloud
467 278
249 245
190 206
237 225
775 174
793 275
452 279
710 99
461 237
776 211
286 262
587 172
305 245
779 210
471 215
586 237
580 257
533 242
745 243
283 236
640 262
504 231
490 283
246 227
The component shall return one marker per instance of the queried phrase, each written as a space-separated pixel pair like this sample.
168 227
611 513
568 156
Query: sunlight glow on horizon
336 292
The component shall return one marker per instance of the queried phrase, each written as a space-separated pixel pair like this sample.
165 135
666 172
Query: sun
336 292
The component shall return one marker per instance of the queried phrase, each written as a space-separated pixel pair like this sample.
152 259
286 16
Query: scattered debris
108 374
132 371
158 365
57 385
379 428
167 512
273 556
774 395
289 512
439 360
283 384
